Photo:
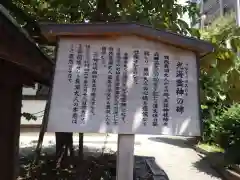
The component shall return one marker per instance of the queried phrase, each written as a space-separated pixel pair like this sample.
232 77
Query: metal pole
221 7
202 17
238 12
238 18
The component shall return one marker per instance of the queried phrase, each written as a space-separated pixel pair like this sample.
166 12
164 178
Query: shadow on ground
96 165
206 165
180 142
203 165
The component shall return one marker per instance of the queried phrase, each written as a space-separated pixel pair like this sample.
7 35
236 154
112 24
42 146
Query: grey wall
33 105
211 8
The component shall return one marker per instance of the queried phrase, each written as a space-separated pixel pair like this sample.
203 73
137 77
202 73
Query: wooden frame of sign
127 79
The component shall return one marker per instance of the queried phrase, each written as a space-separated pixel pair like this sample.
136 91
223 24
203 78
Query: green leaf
195 33
29 116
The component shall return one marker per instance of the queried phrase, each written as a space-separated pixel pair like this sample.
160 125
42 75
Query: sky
185 16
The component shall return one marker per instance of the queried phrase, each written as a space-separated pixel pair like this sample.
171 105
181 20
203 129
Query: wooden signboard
124 86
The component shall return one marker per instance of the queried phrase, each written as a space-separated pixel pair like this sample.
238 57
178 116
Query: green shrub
209 126
209 114
227 132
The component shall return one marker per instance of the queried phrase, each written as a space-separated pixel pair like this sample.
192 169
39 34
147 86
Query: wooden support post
80 147
11 79
125 157
10 115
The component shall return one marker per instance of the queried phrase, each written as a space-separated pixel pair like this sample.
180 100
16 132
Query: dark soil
92 167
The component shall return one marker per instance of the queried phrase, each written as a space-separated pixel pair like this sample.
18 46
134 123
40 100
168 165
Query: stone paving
177 159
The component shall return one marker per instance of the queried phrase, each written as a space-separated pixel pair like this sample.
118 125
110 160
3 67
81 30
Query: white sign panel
125 86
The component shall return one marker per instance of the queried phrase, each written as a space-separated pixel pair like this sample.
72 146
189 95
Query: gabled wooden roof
17 47
52 30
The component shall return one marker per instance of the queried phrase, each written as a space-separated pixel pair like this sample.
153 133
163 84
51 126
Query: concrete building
212 9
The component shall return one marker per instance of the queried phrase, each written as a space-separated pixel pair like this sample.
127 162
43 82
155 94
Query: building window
226 10
39 92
